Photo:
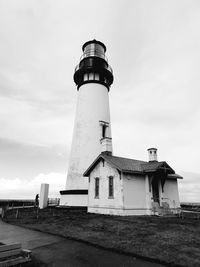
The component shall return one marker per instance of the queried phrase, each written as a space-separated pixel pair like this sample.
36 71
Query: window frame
104 126
104 129
111 187
96 187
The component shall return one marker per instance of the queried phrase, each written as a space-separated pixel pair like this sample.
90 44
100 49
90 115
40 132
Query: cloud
189 187
27 160
154 52
24 123
27 189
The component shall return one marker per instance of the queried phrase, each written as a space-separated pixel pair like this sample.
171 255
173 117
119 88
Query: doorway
155 190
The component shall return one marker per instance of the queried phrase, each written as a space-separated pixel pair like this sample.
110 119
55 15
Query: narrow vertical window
85 77
96 187
110 187
91 76
104 130
96 76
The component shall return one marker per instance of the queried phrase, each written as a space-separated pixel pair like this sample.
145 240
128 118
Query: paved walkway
61 252
28 238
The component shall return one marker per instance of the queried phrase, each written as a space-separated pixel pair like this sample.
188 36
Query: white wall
170 194
104 204
74 200
92 106
134 191
148 195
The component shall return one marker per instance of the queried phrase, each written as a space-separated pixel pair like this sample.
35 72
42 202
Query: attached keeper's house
123 186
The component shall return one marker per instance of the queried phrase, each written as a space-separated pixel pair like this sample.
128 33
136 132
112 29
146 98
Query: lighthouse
92 127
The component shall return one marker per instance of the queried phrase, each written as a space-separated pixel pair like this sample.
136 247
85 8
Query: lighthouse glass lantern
93 66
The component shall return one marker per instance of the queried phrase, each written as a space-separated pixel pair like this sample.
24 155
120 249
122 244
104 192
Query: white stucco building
122 186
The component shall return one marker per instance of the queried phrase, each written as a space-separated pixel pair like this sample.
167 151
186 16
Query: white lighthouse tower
92 130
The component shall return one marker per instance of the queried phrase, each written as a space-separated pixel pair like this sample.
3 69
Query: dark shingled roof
124 163
153 165
130 165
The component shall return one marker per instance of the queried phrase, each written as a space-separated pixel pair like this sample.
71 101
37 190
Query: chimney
152 152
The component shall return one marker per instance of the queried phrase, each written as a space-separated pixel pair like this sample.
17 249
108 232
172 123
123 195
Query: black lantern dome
93 66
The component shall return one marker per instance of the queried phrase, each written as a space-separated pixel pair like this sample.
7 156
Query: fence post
3 212
37 213
17 211
4 209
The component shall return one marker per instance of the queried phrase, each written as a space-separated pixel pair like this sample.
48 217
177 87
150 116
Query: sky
153 47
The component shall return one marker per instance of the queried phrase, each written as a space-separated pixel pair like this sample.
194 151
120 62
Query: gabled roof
124 164
155 165
130 165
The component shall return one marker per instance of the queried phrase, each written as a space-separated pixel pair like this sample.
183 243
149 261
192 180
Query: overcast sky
153 47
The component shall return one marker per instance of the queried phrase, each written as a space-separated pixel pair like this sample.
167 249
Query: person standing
37 200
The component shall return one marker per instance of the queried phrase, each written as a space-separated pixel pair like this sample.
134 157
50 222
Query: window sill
110 197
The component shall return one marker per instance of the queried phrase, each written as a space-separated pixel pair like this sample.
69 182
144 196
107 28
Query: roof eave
174 176
133 172
92 166
87 172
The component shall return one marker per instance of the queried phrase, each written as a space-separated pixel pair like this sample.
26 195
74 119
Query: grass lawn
175 241
34 263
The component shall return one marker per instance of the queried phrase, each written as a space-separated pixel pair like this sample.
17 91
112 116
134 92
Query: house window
110 187
96 187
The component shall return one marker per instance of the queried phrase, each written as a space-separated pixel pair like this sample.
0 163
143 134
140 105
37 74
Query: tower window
91 76
110 187
85 76
104 130
97 187
96 76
